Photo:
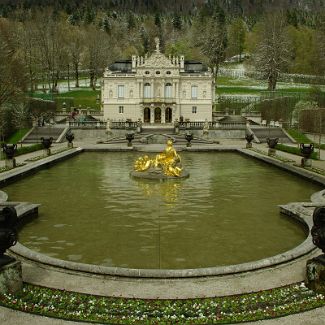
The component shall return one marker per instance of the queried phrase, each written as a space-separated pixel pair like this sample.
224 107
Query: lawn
76 98
84 98
17 136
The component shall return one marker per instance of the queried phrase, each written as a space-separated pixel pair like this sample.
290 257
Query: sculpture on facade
164 165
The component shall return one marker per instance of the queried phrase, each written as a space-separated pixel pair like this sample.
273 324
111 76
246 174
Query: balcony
159 100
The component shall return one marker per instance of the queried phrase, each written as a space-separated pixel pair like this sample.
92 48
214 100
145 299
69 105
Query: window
121 109
168 90
147 90
194 109
157 72
168 72
147 72
194 92
120 91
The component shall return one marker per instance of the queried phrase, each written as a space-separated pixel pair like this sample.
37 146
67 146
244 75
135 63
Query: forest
44 41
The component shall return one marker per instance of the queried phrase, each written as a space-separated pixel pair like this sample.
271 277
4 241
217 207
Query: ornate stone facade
157 90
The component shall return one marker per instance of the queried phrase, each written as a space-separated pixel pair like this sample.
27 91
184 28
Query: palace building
157 90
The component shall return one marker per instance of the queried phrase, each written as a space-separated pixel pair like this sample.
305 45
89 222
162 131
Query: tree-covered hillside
237 7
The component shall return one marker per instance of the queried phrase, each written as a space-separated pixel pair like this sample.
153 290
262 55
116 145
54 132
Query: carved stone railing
87 124
124 125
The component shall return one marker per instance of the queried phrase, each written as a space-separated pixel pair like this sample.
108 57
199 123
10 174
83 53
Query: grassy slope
17 136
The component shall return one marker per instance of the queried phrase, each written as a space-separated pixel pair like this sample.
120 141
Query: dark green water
225 213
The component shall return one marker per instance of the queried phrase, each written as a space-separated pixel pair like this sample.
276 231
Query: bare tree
97 53
12 72
75 48
212 38
272 51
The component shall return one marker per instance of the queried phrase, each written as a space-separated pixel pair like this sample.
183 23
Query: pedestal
206 135
47 152
249 145
306 162
271 152
10 163
315 275
11 280
70 144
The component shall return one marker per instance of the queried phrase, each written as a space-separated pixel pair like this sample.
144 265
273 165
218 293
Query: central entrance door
157 115
146 115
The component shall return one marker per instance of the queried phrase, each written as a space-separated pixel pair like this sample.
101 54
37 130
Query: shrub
293 150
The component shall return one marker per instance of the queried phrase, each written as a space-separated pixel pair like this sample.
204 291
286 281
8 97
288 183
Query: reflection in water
227 212
167 190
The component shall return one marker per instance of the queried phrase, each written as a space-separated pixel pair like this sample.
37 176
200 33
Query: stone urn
70 137
129 137
8 233
189 138
10 150
315 272
47 142
249 138
272 142
306 151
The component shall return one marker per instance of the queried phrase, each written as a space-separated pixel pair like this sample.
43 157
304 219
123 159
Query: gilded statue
168 162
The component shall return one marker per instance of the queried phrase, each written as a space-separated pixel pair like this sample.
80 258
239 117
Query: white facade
157 90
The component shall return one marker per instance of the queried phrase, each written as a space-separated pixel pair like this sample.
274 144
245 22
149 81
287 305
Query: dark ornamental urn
189 138
272 142
315 271
306 150
8 233
10 150
47 142
129 137
249 138
70 137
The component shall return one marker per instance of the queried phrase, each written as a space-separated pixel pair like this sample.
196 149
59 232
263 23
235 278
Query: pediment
158 60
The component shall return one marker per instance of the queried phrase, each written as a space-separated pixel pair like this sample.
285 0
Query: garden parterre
68 305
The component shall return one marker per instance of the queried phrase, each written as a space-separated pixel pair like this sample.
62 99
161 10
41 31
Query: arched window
168 90
147 90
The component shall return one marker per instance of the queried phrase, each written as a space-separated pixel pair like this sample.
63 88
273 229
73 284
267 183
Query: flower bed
266 304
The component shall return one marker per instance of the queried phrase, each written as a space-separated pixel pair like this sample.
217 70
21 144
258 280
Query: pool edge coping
304 248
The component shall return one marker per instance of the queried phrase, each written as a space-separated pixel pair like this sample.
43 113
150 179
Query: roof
190 66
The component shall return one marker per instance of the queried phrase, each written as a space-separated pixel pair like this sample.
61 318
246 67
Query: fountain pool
225 213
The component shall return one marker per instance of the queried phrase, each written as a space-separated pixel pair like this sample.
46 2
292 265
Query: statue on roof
157 44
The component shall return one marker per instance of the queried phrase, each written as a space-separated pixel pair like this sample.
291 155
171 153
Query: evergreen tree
177 21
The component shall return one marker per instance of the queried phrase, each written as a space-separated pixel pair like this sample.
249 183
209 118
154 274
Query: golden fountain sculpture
168 164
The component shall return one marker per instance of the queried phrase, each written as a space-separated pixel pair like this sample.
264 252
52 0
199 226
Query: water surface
93 212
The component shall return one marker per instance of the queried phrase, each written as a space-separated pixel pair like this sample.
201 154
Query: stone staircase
45 132
262 133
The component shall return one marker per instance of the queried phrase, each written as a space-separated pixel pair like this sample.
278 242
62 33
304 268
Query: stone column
163 111
152 114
